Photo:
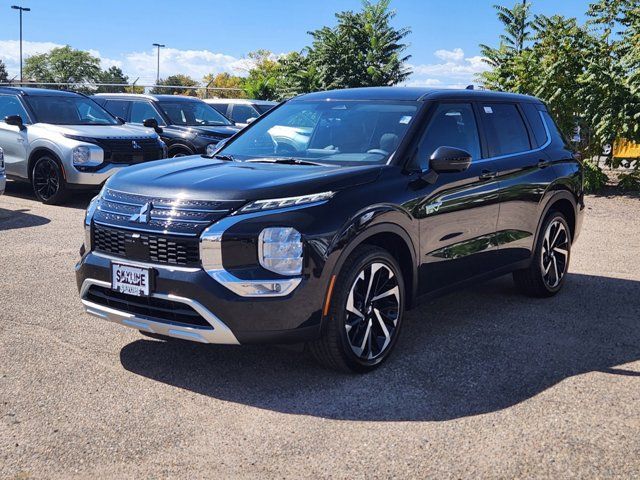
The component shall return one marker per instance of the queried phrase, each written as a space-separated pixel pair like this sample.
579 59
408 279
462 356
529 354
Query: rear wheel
366 312
48 181
546 274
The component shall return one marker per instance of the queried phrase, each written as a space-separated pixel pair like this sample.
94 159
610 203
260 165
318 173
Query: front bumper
90 179
230 318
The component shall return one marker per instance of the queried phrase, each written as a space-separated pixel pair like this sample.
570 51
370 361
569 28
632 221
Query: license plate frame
133 280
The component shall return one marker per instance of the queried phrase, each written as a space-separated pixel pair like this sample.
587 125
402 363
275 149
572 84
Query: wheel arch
563 201
40 152
180 147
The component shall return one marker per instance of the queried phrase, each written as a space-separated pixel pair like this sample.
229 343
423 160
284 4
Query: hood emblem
135 145
144 215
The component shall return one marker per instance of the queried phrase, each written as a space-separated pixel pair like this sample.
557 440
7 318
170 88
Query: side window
452 125
221 107
10 105
242 113
140 111
119 108
535 121
506 131
556 136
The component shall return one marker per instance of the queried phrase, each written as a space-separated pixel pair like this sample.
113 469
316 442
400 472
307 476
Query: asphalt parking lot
484 383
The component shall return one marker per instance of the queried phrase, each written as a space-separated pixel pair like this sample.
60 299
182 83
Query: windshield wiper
227 158
286 161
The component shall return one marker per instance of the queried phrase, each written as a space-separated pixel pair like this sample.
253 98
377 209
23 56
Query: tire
49 185
358 339
540 278
179 152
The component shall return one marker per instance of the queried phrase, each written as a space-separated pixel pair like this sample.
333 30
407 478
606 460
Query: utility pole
21 9
159 45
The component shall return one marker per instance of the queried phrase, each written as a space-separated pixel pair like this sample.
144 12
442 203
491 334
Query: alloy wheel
372 311
46 181
555 253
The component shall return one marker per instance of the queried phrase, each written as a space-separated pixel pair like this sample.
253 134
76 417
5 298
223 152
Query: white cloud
454 71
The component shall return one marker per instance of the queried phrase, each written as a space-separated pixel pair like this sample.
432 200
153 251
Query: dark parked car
186 124
241 111
399 194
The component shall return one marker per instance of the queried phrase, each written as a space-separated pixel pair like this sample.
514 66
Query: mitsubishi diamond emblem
144 215
135 145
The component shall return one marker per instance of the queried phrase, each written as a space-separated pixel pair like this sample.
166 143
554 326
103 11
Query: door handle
543 163
488 174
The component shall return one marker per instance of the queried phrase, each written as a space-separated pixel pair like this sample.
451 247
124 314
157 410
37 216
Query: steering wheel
379 151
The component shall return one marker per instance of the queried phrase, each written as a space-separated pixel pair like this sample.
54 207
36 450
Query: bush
594 178
629 181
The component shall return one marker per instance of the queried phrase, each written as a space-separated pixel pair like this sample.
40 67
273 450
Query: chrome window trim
219 333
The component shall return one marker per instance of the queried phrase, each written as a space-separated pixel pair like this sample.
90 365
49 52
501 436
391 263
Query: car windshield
69 110
192 113
263 107
326 131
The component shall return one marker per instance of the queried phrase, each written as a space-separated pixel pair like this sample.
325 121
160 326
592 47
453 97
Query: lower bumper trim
219 333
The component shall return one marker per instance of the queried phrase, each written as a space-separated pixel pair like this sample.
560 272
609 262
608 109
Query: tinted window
242 113
452 125
556 135
10 105
535 121
140 111
506 131
69 110
119 108
263 108
221 107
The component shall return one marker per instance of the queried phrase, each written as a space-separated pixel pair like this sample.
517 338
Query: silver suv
62 141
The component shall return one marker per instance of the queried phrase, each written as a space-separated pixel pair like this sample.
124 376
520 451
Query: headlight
211 149
80 155
1 160
280 250
286 202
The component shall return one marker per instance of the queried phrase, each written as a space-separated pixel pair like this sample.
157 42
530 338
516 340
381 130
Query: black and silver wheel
48 181
546 274
365 314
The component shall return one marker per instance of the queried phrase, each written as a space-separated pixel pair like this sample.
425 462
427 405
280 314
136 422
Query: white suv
61 141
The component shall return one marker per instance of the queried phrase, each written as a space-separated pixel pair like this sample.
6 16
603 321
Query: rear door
516 138
458 211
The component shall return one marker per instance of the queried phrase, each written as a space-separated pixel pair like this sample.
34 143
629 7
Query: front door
458 212
13 141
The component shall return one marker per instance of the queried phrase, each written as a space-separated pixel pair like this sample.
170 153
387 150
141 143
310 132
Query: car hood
101 131
214 131
202 178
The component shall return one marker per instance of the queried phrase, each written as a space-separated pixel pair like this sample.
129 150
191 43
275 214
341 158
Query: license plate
130 280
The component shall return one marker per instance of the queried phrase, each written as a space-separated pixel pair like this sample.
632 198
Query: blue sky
214 36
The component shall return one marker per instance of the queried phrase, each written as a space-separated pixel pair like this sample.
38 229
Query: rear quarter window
505 129
532 113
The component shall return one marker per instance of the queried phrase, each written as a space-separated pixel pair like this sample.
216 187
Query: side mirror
15 120
152 123
251 120
449 159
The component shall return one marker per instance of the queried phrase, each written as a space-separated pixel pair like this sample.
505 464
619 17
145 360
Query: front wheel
365 313
546 274
48 181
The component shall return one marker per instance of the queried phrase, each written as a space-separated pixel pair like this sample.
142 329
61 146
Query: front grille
158 309
146 247
130 150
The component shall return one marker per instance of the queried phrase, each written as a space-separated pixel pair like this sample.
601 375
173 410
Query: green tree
64 65
262 80
113 75
173 84
223 81
4 76
297 75
362 50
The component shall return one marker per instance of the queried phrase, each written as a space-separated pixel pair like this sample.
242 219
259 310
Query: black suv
397 194
186 124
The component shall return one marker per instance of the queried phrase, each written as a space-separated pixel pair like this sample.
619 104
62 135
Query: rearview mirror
15 120
152 123
449 159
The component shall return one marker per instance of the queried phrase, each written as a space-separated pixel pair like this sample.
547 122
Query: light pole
21 9
159 45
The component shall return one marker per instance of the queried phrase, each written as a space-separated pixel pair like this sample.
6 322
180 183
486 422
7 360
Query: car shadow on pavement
77 199
14 219
478 351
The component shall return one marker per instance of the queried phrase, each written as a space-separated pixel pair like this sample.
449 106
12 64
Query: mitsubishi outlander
397 195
